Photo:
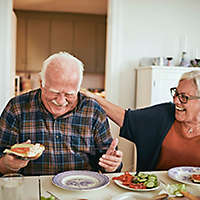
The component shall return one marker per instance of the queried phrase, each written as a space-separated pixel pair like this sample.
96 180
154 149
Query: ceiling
74 6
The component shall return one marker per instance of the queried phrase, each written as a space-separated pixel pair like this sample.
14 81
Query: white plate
119 183
182 174
131 196
80 180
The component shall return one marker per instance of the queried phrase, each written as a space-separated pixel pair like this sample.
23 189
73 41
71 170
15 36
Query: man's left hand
112 159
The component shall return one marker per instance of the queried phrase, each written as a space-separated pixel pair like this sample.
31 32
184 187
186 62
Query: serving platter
80 180
183 174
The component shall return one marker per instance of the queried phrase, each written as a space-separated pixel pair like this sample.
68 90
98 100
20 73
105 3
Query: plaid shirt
73 141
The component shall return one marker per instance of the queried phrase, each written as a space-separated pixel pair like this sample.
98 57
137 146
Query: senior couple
74 128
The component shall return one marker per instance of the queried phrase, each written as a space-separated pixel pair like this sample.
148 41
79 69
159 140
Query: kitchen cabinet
84 44
61 36
41 34
21 45
154 83
37 43
101 45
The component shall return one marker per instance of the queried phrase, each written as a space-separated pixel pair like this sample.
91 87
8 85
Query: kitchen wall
7 52
141 28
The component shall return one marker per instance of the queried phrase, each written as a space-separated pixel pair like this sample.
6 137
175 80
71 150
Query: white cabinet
154 83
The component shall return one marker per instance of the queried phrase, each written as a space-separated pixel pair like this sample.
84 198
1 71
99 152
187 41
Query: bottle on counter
184 61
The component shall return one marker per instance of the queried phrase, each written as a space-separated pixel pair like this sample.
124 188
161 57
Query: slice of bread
24 150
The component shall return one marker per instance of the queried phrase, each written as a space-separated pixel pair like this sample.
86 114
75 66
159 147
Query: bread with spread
26 151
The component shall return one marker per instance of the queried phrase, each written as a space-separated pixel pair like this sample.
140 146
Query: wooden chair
129 154
134 157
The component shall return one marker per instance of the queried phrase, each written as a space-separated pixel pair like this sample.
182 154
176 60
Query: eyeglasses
181 96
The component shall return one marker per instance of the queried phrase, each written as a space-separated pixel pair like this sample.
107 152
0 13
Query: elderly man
72 127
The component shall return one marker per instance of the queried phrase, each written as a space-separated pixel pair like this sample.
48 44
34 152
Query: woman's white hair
195 76
66 56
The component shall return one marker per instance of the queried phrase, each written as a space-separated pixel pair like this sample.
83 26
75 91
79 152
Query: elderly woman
168 134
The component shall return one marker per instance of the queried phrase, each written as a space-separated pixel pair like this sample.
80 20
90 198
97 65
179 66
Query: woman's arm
114 112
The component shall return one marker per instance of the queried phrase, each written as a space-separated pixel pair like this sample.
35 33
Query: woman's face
190 111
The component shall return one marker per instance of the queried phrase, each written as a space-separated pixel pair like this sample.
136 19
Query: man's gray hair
65 55
195 76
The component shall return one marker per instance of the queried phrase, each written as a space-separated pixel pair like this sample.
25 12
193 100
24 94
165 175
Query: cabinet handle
154 83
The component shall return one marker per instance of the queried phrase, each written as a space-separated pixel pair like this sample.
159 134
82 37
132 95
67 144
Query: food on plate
26 151
175 189
139 181
195 178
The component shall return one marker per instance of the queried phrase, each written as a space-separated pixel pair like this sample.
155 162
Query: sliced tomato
126 183
125 178
127 173
196 177
23 150
118 177
137 186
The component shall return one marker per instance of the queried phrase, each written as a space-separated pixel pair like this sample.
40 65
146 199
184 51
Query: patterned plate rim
173 172
101 178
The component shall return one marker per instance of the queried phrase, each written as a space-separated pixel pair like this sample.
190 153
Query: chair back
129 154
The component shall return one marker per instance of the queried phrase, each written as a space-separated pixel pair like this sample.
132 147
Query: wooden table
36 185
108 192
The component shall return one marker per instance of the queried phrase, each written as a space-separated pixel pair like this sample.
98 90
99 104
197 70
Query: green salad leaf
47 198
175 189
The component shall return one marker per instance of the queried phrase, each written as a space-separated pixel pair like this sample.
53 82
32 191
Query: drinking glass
12 186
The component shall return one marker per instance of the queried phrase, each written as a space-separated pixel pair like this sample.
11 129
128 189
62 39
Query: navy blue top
147 128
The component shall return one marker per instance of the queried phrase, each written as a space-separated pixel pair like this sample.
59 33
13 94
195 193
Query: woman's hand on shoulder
87 93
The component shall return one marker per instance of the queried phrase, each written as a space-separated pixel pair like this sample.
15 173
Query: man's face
59 95
190 111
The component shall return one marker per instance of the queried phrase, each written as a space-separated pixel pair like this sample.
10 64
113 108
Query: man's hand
112 159
10 163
